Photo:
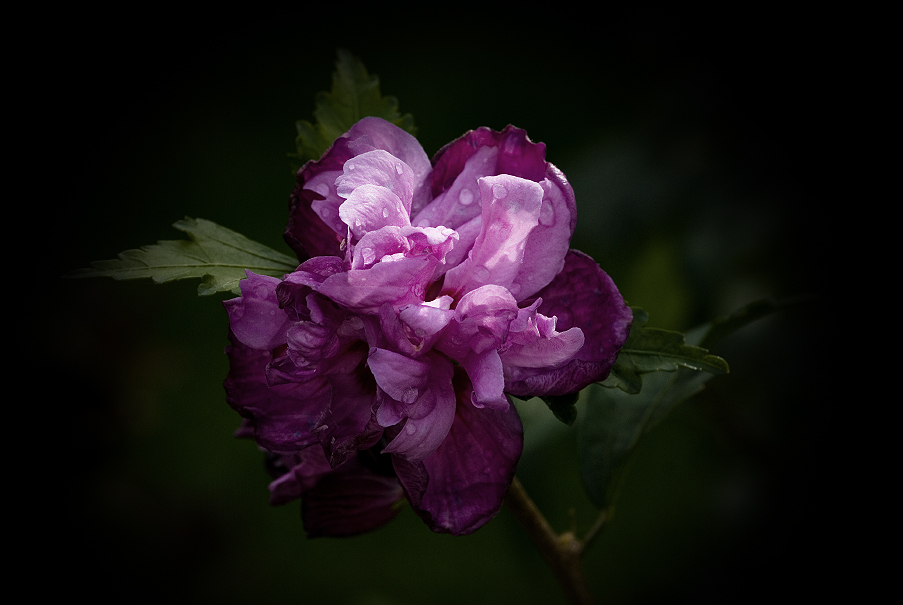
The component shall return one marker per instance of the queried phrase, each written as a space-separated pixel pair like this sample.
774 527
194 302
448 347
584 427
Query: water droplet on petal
410 395
399 168
465 197
499 192
385 213
410 429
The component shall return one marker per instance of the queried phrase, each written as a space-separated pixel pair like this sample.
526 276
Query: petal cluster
429 291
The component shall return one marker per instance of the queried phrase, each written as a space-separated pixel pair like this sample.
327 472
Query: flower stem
562 552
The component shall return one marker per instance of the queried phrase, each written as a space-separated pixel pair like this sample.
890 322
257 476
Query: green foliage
217 255
614 419
563 406
654 350
355 95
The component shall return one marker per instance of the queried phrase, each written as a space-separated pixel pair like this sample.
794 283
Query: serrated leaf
650 350
217 255
355 95
613 421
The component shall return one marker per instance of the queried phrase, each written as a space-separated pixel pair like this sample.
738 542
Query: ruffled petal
582 296
429 417
378 168
510 210
370 207
548 242
255 317
283 417
314 227
461 486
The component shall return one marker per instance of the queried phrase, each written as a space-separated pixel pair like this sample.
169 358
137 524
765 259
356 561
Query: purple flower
379 368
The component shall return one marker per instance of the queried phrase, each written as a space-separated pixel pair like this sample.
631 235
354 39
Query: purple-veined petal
461 486
350 500
582 296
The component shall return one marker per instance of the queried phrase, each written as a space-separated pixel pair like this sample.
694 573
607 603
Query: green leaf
355 95
614 420
650 350
563 406
712 333
217 255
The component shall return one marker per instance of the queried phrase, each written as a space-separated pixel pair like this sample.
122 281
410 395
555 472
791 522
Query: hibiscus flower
429 292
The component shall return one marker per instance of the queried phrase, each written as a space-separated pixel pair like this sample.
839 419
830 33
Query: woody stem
562 552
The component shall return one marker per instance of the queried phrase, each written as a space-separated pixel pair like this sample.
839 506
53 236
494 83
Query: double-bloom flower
379 368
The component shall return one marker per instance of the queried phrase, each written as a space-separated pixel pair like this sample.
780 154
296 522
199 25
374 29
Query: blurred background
689 149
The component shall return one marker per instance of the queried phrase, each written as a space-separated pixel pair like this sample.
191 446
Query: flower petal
378 168
314 227
461 486
350 500
429 409
255 317
582 296
510 210
283 417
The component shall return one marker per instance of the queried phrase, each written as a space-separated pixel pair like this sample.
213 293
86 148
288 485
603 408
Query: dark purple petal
461 486
306 233
349 422
350 500
582 296
283 416
517 156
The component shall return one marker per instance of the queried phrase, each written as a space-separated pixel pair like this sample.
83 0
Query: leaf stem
562 552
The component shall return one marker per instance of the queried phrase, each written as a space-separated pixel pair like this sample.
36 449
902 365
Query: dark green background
689 149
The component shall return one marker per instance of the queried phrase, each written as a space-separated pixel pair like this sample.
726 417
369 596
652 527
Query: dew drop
499 192
410 395
465 197
385 213
399 168
322 189
410 429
